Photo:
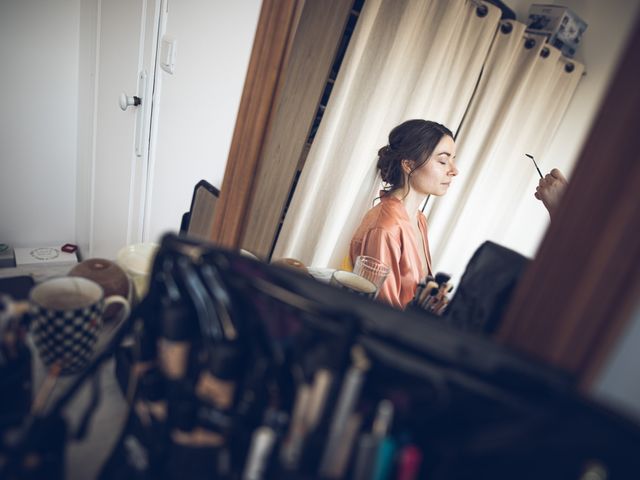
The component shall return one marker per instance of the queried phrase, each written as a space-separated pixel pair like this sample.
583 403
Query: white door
126 58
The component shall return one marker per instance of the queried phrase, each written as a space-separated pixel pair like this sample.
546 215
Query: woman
418 161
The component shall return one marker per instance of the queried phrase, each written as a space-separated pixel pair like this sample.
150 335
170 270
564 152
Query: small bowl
292 264
107 274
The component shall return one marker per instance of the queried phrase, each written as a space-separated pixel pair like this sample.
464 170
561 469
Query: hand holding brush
550 189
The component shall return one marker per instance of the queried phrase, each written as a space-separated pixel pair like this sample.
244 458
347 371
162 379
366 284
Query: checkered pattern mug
66 320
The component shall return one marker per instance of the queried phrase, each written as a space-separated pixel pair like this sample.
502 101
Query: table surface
37 272
84 458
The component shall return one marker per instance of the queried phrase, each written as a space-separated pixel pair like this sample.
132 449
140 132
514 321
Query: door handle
126 101
142 121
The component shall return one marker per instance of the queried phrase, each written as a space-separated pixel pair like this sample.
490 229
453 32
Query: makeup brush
442 278
534 162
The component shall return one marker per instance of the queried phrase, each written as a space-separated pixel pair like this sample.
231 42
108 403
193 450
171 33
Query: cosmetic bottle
369 443
177 326
320 389
365 456
409 462
262 445
341 434
307 430
217 382
151 402
292 446
151 385
215 390
384 459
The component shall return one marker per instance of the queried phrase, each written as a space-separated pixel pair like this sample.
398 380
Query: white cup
353 283
137 261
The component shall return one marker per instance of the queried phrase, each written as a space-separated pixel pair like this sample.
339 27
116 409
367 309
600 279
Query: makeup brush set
431 294
243 370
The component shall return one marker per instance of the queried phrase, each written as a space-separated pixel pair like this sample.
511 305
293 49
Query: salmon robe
386 233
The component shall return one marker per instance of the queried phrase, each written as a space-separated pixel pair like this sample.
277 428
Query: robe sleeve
380 244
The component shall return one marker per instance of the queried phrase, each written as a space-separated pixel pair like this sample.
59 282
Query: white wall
609 25
47 50
619 381
38 121
198 103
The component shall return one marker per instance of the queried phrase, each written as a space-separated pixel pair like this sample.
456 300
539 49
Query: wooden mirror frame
579 292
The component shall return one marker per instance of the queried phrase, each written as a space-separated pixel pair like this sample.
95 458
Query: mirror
546 297
530 214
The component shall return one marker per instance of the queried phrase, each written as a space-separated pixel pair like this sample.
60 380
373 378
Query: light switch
168 54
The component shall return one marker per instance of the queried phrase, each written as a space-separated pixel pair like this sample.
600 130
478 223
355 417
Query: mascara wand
534 162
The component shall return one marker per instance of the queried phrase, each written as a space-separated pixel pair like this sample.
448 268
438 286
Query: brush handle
534 162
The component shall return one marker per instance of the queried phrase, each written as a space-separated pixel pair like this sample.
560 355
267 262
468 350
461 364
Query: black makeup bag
472 408
485 288
246 370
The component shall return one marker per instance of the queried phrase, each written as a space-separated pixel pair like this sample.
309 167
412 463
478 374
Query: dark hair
411 140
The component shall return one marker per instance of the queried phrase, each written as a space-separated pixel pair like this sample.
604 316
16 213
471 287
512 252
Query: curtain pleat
522 96
406 59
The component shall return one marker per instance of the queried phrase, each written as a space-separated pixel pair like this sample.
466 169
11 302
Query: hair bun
386 165
384 151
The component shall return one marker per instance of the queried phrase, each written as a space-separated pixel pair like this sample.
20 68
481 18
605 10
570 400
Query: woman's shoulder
386 216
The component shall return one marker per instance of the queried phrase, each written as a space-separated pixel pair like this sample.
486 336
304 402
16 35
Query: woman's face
434 176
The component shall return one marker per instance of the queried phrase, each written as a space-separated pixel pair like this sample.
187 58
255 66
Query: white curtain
406 59
524 91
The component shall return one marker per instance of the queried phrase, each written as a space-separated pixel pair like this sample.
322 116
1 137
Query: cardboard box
44 256
562 27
